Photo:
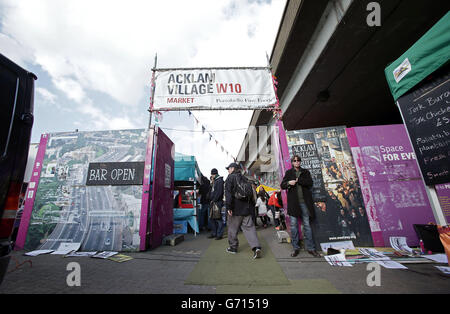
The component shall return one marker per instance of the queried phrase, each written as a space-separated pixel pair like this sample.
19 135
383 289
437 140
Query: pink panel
31 194
146 192
161 221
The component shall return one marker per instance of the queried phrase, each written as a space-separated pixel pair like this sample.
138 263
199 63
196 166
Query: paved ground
165 269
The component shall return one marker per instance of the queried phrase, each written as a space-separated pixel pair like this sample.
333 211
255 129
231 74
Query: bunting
210 135
247 171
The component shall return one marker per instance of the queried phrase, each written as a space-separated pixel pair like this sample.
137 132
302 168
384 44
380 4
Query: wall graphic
392 186
340 209
97 217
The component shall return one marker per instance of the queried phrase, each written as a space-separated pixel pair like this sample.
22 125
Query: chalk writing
426 113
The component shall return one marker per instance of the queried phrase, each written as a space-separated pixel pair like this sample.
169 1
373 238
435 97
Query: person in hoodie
216 196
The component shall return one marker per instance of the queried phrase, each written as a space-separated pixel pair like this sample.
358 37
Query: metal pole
268 62
152 92
213 68
195 203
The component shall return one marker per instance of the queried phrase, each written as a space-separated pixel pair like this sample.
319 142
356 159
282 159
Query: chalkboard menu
311 161
426 113
115 173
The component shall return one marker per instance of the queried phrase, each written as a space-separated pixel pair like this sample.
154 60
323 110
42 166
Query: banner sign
213 89
115 173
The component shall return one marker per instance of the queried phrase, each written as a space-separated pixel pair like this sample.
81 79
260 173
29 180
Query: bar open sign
115 173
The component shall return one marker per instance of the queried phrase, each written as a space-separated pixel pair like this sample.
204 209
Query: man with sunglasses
298 183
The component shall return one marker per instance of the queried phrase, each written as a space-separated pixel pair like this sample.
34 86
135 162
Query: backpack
243 190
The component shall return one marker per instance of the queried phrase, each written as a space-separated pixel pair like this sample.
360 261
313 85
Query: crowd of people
222 204
267 206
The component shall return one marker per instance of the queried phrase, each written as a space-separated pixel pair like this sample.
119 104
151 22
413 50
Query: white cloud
100 120
47 96
14 50
191 141
108 47
245 39
71 88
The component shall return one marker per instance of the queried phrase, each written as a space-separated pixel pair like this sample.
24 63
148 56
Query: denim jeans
307 231
203 216
217 227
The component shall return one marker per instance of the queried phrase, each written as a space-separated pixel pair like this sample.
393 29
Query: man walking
239 213
298 182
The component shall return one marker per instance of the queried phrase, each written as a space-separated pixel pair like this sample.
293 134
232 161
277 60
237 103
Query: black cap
233 165
214 171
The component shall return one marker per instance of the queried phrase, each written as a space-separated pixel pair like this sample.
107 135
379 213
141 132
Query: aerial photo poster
71 205
339 205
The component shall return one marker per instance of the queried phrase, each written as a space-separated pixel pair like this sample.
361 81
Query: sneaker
231 250
219 238
211 236
257 253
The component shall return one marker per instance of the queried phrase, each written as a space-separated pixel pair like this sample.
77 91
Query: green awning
186 168
428 54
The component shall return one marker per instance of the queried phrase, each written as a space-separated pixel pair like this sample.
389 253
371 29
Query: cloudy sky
93 61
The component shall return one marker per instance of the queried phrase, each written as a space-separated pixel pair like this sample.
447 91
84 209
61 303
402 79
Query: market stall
419 83
187 177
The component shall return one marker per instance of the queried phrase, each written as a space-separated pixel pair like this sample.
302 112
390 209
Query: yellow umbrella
266 188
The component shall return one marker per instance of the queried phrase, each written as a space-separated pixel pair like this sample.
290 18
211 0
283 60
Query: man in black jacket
239 214
216 196
204 192
298 182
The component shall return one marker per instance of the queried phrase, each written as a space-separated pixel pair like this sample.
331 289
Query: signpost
115 173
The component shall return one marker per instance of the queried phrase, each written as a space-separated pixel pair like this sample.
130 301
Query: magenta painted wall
443 193
161 214
145 203
393 189
31 194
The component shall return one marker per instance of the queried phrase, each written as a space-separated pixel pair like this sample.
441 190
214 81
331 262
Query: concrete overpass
329 63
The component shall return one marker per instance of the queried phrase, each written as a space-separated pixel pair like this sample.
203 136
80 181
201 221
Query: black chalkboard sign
311 161
115 173
426 113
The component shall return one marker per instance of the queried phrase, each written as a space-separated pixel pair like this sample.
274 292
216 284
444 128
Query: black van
16 105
